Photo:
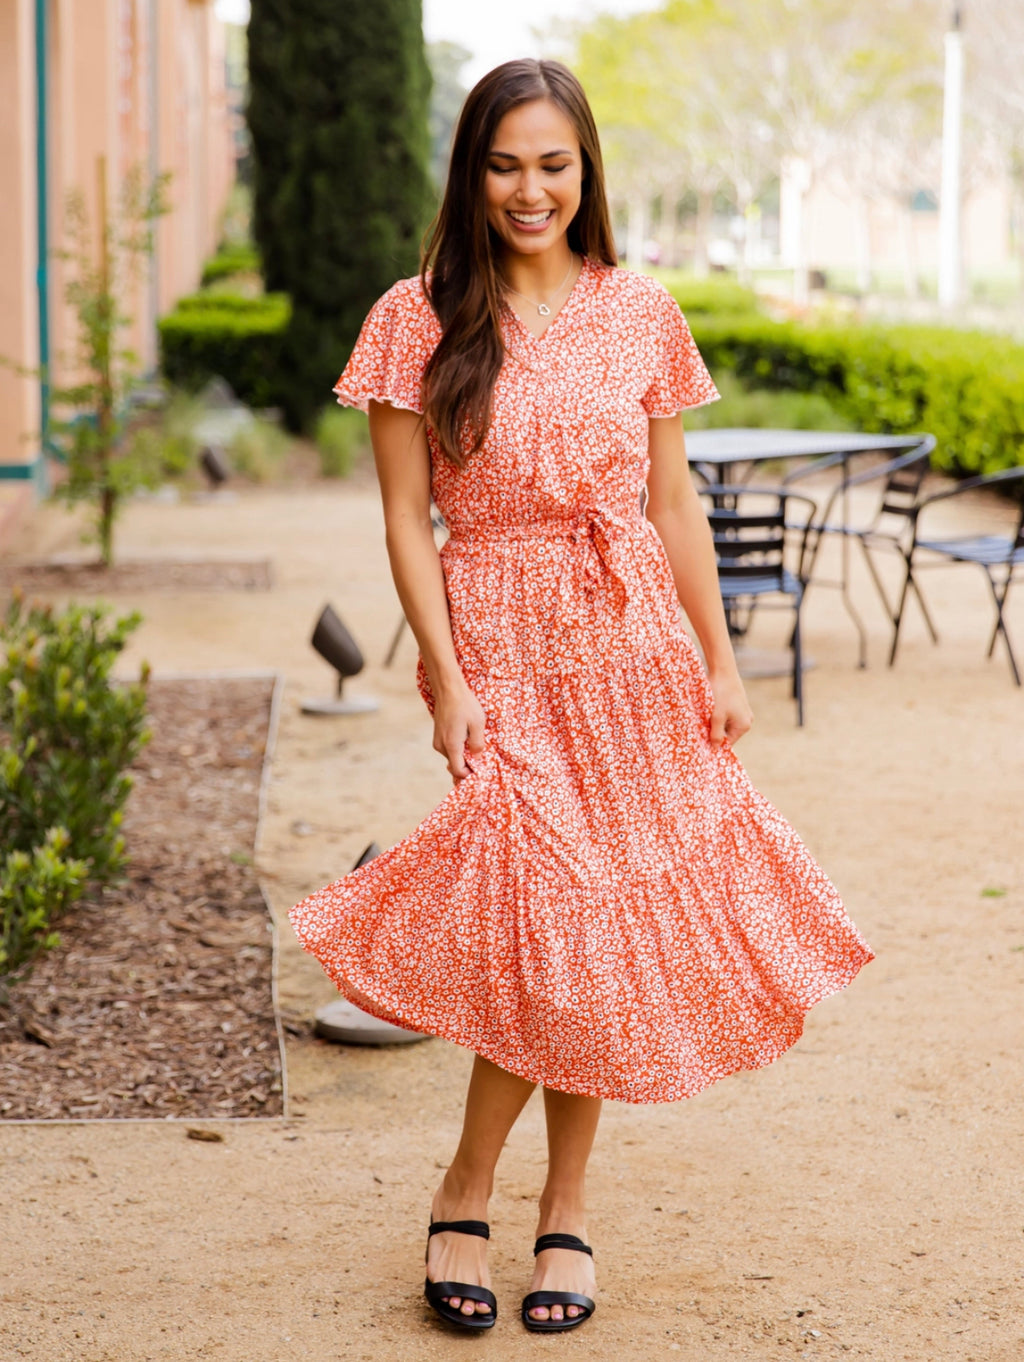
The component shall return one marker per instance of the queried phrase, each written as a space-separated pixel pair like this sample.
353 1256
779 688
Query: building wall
130 82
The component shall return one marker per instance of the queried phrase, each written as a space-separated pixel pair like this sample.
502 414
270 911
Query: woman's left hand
732 715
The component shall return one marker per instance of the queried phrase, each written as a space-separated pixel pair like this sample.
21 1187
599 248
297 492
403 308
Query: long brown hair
464 287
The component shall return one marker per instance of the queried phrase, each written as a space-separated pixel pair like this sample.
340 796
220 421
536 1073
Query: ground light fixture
336 645
346 1024
214 464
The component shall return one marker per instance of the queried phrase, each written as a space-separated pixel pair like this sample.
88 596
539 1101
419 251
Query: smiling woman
603 905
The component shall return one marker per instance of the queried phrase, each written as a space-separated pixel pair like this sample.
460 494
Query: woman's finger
718 719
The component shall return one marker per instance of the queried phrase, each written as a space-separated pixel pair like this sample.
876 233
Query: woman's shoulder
406 300
630 288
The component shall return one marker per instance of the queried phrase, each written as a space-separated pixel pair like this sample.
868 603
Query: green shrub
965 388
67 732
743 406
35 888
231 260
718 294
342 434
257 449
228 336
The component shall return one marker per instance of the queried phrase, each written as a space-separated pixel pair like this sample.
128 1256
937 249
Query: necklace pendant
543 309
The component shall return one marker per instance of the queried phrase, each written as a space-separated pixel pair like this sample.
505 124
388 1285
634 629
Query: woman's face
534 179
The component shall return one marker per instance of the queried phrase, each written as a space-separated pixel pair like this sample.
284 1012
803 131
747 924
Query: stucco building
132 81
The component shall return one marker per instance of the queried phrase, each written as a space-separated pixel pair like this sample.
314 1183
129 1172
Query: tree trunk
702 233
636 232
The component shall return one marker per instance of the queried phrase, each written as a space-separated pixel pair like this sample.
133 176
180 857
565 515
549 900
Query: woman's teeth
530 218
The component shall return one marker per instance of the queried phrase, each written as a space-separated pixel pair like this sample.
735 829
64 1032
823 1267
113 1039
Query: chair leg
1000 600
924 609
877 580
897 619
798 670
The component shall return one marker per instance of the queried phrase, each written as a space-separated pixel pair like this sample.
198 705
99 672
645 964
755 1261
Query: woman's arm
674 510
403 469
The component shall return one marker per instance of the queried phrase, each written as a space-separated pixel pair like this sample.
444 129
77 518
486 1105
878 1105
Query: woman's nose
530 188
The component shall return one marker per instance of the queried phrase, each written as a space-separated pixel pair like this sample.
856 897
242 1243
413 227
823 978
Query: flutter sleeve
681 378
394 346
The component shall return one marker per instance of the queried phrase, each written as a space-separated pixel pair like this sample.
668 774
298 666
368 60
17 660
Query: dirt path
860 1198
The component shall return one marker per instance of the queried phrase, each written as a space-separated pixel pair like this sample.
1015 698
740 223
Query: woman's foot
455 1257
562 1269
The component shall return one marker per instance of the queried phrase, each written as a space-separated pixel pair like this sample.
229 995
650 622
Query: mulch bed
140 574
158 1002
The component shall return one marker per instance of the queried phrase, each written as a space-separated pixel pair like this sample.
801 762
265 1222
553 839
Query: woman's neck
539 276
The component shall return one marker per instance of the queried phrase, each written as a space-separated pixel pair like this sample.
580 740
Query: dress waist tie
599 537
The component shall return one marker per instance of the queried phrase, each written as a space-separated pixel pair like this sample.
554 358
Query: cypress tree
338 113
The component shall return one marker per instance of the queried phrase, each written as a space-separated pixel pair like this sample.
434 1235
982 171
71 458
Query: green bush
965 388
67 732
229 261
718 294
228 336
342 434
35 888
742 406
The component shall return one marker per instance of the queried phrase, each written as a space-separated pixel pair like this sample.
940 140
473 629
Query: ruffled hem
639 960
348 397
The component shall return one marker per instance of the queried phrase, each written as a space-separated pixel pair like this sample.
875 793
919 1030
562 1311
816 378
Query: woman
602 905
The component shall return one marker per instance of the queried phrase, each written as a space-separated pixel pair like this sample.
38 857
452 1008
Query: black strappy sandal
563 1298
436 1291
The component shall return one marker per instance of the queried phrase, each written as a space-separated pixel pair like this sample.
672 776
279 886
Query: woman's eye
501 170
555 169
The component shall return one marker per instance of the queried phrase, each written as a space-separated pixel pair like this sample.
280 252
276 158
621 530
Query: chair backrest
902 488
750 543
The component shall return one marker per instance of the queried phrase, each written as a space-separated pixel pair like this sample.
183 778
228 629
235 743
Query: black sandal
436 1291
549 1298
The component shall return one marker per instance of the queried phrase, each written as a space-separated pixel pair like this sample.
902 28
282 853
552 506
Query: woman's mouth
531 222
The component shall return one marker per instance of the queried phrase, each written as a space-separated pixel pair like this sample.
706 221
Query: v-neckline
566 307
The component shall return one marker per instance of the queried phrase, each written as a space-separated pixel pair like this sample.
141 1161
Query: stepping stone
343 1022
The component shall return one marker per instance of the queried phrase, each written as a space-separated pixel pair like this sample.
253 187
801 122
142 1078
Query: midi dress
605 905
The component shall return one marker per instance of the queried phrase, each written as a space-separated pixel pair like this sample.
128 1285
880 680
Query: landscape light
214 464
336 645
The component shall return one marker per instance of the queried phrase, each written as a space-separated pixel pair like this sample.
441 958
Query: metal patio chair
752 547
998 555
890 529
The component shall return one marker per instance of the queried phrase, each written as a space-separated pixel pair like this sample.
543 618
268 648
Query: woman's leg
494 1100
572 1124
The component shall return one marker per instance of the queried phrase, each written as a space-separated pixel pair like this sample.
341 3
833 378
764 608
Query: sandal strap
539 1298
465 1290
562 1241
478 1227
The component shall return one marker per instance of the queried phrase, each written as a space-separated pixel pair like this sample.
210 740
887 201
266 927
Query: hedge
229 261
966 388
239 339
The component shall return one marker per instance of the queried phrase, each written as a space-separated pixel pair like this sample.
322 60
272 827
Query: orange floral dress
605 905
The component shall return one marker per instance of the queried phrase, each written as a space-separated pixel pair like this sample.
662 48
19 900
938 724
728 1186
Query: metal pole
42 237
950 271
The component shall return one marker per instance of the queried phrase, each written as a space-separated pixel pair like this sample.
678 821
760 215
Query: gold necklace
543 308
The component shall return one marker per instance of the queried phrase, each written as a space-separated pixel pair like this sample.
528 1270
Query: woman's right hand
459 721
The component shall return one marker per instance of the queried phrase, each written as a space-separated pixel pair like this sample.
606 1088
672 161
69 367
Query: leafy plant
67 732
230 260
341 434
103 465
35 888
228 336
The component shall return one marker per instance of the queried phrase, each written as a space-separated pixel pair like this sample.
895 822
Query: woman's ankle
462 1196
561 1213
